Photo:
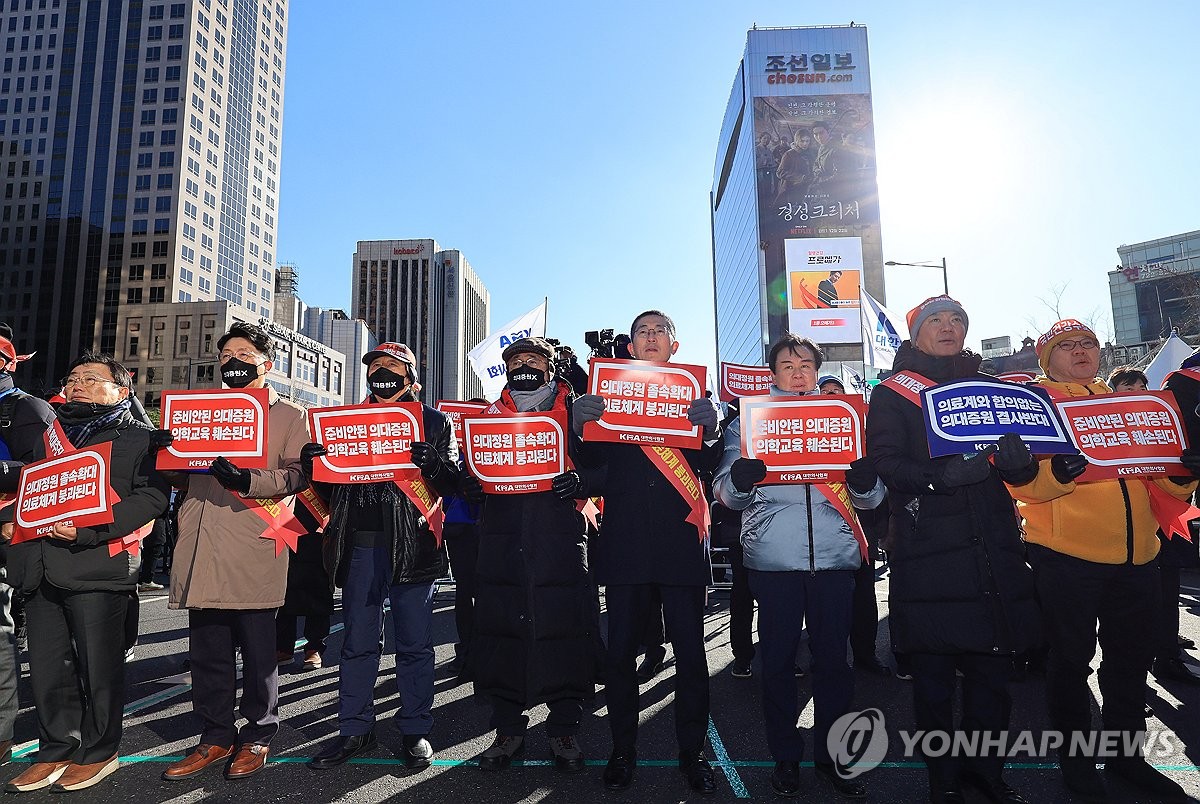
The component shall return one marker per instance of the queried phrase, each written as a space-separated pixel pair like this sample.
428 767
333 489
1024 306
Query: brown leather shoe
36 776
79 777
249 760
195 762
312 660
5 752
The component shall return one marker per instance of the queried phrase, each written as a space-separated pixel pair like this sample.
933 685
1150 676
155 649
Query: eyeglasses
646 332
533 361
86 382
244 355
1069 346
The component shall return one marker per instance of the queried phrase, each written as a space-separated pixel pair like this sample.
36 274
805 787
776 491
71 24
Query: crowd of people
999 558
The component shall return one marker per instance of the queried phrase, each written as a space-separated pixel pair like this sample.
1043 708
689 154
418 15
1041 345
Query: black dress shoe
697 771
785 779
618 773
1174 670
871 664
1141 774
948 796
846 788
342 748
652 664
418 753
994 789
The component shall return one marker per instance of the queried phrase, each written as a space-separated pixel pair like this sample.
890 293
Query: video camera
604 343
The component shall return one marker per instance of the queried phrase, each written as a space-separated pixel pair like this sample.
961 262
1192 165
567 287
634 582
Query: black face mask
238 373
384 383
526 378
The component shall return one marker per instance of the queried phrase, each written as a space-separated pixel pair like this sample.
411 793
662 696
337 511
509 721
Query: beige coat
220 561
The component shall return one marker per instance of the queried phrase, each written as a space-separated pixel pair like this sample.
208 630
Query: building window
133 346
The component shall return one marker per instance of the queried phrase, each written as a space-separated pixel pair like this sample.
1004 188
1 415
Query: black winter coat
535 607
959 581
417 555
308 587
85 564
1177 552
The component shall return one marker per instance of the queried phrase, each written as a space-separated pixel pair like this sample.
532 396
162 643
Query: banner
485 357
210 424
805 439
1126 434
824 275
455 410
738 381
645 402
882 333
516 453
72 489
365 443
967 415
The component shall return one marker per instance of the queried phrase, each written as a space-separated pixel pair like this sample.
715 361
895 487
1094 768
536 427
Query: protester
534 632
379 545
961 596
229 577
727 533
79 589
830 384
1175 554
309 595
802 546
1092 546
646 543
23 421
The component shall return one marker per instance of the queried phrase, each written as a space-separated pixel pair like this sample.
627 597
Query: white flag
1173 352
852 381
882 332
485 357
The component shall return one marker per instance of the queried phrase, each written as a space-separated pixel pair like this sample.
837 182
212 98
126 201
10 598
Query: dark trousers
462 541
741 608
152 548
1123 601
786 602
368 584
864 624
214 633
629 608
77 672
654 630
986 705
510 720
316 631
1168 619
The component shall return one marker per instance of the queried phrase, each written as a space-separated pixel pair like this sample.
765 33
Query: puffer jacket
788 527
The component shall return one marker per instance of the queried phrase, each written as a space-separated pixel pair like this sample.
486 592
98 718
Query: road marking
724 763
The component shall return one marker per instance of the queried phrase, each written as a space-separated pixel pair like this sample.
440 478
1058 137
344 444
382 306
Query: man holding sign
649 539
228 572
79 580
802 546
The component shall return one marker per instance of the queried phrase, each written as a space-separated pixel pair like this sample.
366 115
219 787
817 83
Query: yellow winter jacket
1106 521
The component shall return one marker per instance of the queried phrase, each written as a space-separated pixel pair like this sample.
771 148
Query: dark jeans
1168 621
316 631
630 607
462 541
1083 599
786 602
213 634
152 548
77 672
509 719
741 608
865 619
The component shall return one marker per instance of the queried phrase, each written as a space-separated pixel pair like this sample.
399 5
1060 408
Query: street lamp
942 265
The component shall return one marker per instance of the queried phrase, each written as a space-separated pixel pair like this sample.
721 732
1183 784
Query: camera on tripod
605 343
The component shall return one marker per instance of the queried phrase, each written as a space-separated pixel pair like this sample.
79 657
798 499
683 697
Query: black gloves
426 458
309 453
568 486
1015 461
10 476
1191 462
746 472
963 471
587 408
230 476
861 477
470 488
1068 467
161 439
703 413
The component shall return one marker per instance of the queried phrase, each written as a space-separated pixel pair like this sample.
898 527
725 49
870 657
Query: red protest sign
1017 376
209 424
456 411
645 402
516 453
738 381
365 443
804 439
1126 435
72 489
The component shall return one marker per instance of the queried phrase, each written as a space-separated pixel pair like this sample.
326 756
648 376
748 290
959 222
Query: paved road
159 728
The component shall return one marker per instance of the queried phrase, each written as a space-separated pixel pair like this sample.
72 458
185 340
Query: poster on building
365 443
208 424
516 453
824 275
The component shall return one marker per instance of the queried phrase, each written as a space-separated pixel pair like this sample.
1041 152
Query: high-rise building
140 142
1156 288
414 292
794 204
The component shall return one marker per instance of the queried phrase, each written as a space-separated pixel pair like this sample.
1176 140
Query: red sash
132 543
313 503
839 497
283 527
909 384
57 443
413 484
1193 374
678 472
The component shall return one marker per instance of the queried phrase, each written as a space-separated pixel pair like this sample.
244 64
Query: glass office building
794 204
1155 289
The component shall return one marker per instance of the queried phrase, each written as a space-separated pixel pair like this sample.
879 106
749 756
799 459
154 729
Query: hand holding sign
703 413
1068 467
426 458
64 532
587 408
230 476
960 470
308 453
1014 461
746 473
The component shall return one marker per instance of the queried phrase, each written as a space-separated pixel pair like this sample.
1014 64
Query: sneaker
568 757
283 657
741 669
150 586
79 777
500 753
312 660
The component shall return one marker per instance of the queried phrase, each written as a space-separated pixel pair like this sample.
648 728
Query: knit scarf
539 399
82 420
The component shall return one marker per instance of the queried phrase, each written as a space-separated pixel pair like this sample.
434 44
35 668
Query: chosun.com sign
809 78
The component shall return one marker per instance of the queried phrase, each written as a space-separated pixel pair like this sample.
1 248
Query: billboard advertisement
823 280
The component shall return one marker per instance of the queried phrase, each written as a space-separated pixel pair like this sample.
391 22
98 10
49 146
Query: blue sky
567 149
